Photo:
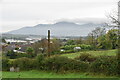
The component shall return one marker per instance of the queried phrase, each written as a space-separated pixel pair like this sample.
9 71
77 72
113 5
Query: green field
41 74
95 53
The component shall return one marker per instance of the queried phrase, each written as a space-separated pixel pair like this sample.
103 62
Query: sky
15 14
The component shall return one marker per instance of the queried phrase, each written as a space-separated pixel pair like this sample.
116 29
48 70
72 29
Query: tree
93 36
104 43
70 42
98 32
55 45
3 40
79 41
112 36
116 20
41 46
11 54
30 50
90 39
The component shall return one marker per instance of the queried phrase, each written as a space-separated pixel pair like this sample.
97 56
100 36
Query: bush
24 63
55 52
68 47
39 61
106 65
30 50
86 57
5 64
54 63
11 54
19 55
78 66
85 47
58 64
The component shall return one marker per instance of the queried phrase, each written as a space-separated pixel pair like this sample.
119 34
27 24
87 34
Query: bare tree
115 18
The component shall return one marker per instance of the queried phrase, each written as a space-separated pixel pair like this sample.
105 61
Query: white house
77 48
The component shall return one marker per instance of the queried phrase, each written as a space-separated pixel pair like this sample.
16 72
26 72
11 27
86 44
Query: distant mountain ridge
58 29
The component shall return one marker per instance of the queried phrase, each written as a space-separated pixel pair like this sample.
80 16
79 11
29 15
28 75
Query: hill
58 29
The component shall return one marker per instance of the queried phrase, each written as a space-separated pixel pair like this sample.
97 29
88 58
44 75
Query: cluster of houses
21 45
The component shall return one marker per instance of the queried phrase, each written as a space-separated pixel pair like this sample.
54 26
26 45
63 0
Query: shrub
11 54
106 65
68 47
54 63
24 63
86 57
85 47
39 61
55 52
5 64
19 55
58 64
78 66
30 50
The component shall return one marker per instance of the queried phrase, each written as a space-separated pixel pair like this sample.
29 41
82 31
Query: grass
95 53
42 74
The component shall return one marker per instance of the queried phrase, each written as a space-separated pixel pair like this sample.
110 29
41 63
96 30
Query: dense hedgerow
24 63
58 64
105 64
5 64
86 57
13 55
20 55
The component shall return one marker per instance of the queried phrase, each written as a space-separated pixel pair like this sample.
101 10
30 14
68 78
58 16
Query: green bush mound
24 63
59 63
5 64
19 55
39 61
83 47
86 57
13 55
105 64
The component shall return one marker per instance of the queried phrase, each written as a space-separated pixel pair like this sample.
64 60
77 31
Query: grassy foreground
42 74
95 53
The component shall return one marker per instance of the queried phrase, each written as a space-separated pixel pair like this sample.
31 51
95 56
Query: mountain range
58 29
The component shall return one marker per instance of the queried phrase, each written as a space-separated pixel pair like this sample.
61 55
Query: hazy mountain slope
58 29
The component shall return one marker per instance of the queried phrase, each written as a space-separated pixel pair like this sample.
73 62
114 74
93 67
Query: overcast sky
20 13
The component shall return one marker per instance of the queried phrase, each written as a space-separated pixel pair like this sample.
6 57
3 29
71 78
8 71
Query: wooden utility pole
48 43
118 38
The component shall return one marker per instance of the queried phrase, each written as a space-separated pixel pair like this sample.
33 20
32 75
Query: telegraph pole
48 43
118 38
